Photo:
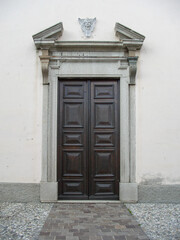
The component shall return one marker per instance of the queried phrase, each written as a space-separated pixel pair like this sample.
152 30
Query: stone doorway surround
89 59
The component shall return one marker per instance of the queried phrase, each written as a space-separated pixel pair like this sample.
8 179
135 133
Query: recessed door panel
104 139
73 163
101 91
88 139
73 91
104 188
70 189
73 114
104 115
72 139
104 163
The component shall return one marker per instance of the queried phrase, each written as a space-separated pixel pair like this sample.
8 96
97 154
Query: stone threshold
88 201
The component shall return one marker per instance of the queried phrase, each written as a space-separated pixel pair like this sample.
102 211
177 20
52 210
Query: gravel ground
22 220
25 220
159 221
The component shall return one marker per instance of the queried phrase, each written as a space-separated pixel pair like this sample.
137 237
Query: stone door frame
87 59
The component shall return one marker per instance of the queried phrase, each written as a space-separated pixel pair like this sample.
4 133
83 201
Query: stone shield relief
87 25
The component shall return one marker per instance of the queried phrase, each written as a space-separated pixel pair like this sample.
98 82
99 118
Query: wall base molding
159 193
19 192
129 192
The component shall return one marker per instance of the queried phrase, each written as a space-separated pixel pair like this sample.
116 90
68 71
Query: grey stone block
19 192
128 192
48 191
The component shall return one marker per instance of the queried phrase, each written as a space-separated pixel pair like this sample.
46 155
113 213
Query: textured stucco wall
158 85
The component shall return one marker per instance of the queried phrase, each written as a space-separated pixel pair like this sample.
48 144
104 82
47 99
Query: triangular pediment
49 34
125 33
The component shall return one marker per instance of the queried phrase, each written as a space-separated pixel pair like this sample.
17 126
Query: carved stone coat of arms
87 25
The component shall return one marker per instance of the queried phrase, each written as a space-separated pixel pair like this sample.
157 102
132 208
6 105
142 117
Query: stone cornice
89 45
86 45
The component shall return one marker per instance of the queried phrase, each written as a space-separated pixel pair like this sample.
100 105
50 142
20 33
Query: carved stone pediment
129 37
126 33
48 36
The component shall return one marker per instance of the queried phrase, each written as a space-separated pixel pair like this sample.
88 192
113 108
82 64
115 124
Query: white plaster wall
158 85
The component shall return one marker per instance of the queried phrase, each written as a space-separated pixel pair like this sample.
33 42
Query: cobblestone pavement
96 221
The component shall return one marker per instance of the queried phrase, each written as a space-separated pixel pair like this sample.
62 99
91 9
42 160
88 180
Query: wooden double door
88 139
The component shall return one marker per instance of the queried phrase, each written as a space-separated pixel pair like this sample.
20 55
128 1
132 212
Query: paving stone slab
97 221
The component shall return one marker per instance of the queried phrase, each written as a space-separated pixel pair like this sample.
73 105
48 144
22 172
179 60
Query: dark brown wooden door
88 139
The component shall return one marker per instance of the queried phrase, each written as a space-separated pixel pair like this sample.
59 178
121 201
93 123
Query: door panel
104 162
72 189
104 139
104 176
73 115
72 140
88 140
72 163
103 91
104 115
105 189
